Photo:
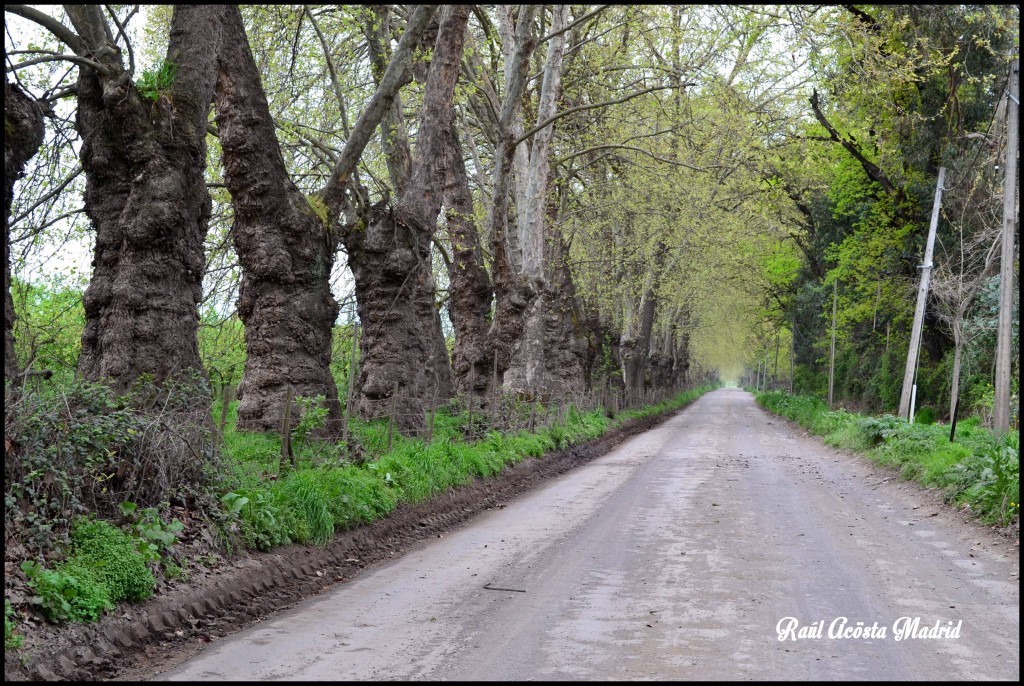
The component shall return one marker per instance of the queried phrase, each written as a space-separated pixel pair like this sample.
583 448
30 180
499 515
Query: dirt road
678 555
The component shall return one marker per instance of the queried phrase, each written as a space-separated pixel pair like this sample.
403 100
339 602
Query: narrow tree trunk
391 262
146 197
23 119
394 139
286 249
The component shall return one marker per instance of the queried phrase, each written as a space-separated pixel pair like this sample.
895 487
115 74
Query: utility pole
792 355
775 369
1001 409
832 354
910 372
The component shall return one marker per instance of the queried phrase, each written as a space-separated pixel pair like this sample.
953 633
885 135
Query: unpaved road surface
674 556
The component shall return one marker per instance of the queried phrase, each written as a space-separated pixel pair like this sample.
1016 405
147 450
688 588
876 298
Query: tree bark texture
547 355
471 294
391 259
23 135
146 197
285 247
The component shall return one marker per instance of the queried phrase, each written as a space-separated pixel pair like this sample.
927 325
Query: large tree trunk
402 344
566 343
24 132
471 294
286 249
146 197
527 368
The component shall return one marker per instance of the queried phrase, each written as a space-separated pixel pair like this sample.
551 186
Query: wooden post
469 400
952 420
286 432
391 419
351 382
792 355
775 371
1001 408
225 400
494 392
878 299
433 413
832 354
910 371
533 407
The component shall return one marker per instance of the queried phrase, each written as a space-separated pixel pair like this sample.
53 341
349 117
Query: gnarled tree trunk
469 285
23 134
402 343
285 246
146 197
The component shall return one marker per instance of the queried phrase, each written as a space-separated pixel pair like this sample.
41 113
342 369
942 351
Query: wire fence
469 416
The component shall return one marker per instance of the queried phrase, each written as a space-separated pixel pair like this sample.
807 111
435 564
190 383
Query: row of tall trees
548 198
906 90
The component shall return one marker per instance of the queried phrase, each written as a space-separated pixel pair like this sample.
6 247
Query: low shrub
71 592
113 556
12 641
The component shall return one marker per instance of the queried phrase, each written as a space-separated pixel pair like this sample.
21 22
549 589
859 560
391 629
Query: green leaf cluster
153 85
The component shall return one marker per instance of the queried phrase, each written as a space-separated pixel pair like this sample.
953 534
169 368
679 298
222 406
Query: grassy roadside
326 493
976 471
249 500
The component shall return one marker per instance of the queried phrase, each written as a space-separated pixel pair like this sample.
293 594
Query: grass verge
325 492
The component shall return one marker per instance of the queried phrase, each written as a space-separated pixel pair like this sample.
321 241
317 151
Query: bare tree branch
581 108
69 37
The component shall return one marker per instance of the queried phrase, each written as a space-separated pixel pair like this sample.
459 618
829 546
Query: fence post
351 382
225 400
286 432
433 413
391 419
494 392
469 400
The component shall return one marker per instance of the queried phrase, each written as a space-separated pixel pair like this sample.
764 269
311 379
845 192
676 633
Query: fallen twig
495 588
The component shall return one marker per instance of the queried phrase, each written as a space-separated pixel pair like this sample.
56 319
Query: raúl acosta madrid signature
904 628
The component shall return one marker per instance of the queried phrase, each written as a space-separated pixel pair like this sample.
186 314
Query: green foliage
79 448
48 330
989 479
69 593
154 84
303 492
12 641
309 504
155 536
925 415
222 347
113 557
313 415
261 524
